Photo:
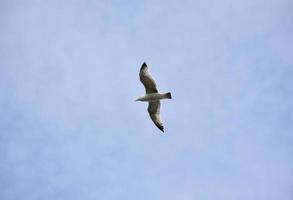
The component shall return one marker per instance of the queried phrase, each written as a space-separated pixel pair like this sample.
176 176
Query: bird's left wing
154 111
147 80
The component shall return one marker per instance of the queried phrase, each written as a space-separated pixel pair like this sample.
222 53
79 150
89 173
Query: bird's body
152 96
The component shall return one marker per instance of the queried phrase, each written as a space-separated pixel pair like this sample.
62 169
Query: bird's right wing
147 80
154 111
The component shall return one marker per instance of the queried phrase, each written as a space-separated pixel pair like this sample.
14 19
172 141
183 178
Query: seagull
152 96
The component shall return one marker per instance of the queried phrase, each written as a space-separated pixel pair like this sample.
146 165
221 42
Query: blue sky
70 128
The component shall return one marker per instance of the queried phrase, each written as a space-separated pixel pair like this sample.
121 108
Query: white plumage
152 96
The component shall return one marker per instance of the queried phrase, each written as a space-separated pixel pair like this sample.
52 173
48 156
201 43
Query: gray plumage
147 80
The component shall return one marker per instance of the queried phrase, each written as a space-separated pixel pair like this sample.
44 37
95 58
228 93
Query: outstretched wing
147 80
154 111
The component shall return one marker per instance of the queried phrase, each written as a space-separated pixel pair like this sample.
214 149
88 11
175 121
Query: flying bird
152 96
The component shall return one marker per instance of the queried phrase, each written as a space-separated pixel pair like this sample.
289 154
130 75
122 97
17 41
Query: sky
69 125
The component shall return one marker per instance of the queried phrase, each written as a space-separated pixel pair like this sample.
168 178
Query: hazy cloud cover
69 126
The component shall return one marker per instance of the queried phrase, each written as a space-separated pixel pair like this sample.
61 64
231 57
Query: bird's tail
168 95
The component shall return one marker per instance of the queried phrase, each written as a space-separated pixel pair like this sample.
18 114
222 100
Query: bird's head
138 99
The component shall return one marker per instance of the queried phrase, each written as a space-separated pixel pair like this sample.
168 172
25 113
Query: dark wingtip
160 127
144 65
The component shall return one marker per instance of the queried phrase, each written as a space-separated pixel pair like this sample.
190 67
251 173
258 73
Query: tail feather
168 95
